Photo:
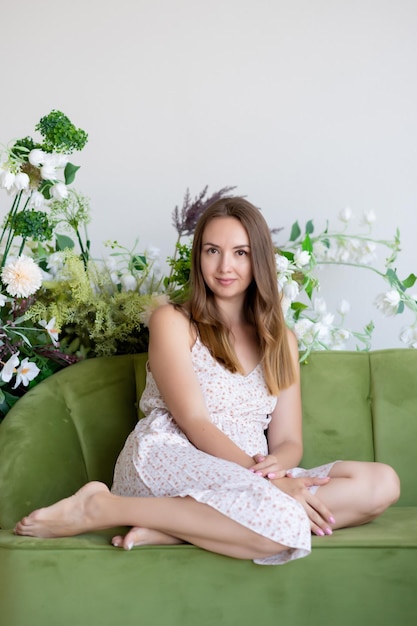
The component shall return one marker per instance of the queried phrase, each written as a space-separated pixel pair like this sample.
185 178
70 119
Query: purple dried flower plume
185 220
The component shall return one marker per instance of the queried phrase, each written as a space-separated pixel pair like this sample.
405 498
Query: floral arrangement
35 174
59 305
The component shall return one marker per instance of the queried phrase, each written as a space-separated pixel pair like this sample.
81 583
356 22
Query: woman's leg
93 508
359 491
138 536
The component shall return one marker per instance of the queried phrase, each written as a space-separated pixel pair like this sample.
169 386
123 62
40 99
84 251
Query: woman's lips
225 281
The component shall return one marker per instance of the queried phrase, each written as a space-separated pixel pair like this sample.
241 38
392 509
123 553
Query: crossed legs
93 507
357 493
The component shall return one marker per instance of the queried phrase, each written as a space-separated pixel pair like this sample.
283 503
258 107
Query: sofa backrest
363 406
67 430
71 427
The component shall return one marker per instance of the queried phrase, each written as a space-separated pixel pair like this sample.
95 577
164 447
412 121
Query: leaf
63 242
400 308
69 173
45 189
393 279
139 262
298 308
288 255
25 339
307 245
295 231
409 281
309 227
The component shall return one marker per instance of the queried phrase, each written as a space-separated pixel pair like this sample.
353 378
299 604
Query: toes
117 541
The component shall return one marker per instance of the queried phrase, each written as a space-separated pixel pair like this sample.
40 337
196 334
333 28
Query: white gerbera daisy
22 277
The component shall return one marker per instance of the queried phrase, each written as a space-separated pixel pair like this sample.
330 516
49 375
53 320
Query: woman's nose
225 262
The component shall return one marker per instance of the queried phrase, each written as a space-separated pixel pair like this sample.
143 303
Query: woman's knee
385 487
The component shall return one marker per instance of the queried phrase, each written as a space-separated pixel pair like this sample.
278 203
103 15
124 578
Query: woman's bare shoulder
168 313
172 324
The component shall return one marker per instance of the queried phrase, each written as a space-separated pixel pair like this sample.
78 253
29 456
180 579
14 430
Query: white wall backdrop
306 106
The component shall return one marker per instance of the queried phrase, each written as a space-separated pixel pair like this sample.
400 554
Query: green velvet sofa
70 428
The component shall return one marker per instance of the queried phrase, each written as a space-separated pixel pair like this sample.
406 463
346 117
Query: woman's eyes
237 252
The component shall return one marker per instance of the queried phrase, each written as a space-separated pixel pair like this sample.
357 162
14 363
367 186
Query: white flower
128 282
345 215
327 319
343 308
320 306
36 200
3 300
51 329
110 263
366 253
115 278
48 171
301 258
55 262
339 338
282 263
321 331
10 368
59 191
59 160
388 302
291 290
37 157
285 305
22 277
408 336
304 331
320 250
369 217
153 253
21 181
7 179
26 372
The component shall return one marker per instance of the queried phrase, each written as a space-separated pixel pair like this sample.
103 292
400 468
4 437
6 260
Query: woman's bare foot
138 536
68 517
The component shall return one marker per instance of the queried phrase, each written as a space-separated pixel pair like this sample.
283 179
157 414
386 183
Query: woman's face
226 262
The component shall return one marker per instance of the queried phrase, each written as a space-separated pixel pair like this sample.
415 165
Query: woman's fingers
319 515
267 467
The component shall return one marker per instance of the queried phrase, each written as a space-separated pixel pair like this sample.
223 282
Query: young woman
222 370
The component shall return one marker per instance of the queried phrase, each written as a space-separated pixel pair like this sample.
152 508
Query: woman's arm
170 342
285 429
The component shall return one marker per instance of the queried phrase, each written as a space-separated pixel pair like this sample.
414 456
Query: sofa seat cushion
370 571
396 527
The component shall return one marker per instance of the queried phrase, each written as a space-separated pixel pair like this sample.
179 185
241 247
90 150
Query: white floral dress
159 460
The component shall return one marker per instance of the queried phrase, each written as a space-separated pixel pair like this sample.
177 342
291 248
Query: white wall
306 106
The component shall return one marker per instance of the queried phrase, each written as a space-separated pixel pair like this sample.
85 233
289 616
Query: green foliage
33 224
59 134
22 147
180 265
94 318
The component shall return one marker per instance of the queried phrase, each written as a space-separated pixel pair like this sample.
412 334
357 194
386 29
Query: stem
9 224
365 267
175 256
9 217
22 245
84 254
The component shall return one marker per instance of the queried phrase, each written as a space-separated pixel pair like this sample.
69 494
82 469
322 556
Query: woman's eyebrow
216 245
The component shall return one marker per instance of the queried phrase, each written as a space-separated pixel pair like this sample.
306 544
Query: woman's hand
267 466
319 515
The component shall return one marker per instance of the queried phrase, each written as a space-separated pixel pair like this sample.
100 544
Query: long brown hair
262 306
